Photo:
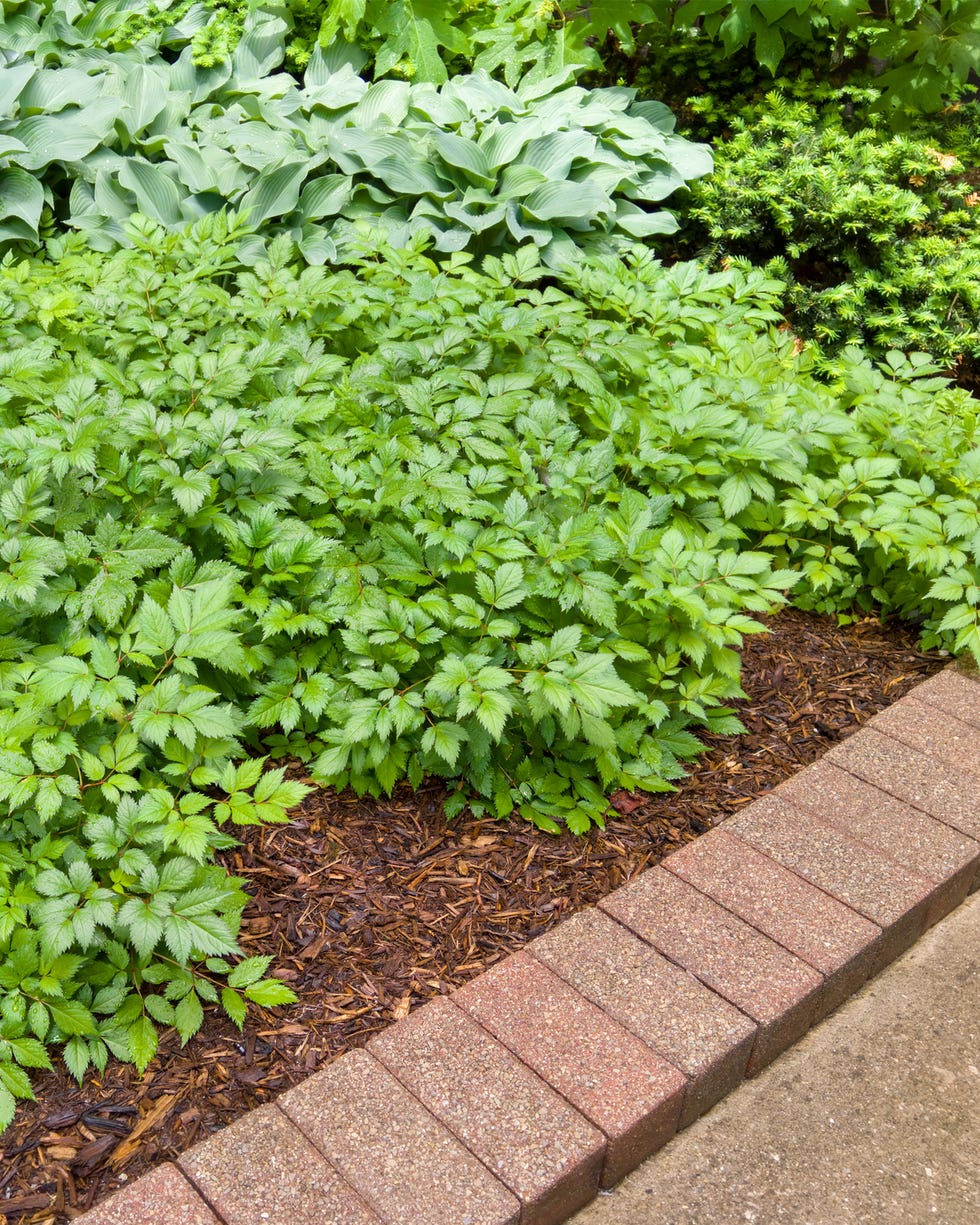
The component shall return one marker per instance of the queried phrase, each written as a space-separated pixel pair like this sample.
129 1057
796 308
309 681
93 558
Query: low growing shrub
504 526
875 234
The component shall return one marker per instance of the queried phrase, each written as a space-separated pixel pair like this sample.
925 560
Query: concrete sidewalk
872 1119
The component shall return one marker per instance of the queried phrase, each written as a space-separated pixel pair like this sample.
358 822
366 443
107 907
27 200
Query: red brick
764 980
920 779
162 1197
533 1140
889 825
954 691
890 896
262 1168
932 730
621 1086
837 941
392 1151
665 1006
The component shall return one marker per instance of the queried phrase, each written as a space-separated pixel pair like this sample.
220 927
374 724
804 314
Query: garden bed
370 908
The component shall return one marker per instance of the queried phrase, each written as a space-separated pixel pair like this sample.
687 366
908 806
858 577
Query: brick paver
262 1168
621 1086
857 875
921 779
926 727
954 691
573 1060
821 931
162 1197
760 977
392 1151
909 837
665 1006
547 1153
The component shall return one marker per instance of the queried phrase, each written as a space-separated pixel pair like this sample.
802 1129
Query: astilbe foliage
506 526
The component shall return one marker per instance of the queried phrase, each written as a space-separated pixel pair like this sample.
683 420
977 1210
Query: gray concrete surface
872 1119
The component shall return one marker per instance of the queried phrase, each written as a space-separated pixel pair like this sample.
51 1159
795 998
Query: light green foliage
475 163
507 527
875 233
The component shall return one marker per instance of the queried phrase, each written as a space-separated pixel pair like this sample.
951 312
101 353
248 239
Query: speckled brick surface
407 1166
921 779
909 837
664 1005
162 1197
926 727
538 1145
955 692
890 896
263 1169
760 977
820 930
623 1087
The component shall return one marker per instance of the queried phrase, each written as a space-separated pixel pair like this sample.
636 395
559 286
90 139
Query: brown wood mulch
372 907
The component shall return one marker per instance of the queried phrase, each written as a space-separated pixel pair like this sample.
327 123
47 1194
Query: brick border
514 1099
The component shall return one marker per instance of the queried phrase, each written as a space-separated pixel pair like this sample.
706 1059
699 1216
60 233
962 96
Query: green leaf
566 202
142 1039
445 739
188 1017
22 196
269 993
276 192
248 971
234 1006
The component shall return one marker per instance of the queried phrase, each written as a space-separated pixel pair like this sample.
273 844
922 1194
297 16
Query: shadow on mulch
372 907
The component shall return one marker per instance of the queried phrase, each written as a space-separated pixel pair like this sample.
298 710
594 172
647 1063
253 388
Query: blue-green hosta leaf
13 82
570 203
156 192
386 101
67 136
642 224
260 50
275 193
52 89
555 154
325 196
21 196
467 156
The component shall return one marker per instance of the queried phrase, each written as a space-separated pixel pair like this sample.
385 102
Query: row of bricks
564 1066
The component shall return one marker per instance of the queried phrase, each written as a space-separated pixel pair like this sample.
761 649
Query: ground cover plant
499 525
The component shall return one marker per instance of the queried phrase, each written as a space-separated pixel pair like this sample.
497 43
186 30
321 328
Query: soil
372 907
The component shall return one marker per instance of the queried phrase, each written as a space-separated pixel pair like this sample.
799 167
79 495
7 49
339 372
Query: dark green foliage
876 234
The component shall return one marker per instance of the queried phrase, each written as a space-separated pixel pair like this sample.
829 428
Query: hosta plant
473 163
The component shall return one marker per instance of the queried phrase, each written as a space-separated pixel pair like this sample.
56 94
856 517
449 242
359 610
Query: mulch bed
372 907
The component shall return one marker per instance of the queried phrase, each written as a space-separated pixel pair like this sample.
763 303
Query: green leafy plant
875 234
920 53
506 526
474 163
